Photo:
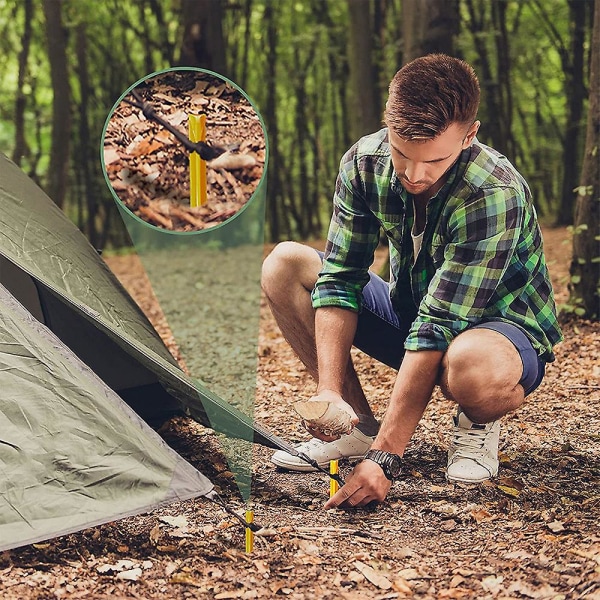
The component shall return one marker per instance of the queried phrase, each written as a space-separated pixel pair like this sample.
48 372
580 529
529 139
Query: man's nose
414 171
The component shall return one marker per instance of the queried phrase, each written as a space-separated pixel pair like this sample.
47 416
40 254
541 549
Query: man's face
422 164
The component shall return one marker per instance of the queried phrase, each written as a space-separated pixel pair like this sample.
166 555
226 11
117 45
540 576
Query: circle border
198 231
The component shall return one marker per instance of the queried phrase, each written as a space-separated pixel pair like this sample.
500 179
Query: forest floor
532 532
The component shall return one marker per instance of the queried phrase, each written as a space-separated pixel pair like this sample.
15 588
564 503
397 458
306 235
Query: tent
83 374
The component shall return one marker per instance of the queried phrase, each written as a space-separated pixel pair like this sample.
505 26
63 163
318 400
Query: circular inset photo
184 149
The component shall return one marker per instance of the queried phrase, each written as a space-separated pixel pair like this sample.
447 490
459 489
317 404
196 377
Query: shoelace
310 444
468 442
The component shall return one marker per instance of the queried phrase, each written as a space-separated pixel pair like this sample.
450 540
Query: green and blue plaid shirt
481 258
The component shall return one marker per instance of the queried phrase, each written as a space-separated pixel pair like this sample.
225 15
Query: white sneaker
351 446
473 454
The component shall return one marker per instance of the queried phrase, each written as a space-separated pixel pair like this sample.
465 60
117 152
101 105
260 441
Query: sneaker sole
460 480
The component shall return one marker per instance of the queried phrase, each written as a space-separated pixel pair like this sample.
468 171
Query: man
469 306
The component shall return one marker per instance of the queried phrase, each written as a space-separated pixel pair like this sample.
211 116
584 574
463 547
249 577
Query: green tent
79 365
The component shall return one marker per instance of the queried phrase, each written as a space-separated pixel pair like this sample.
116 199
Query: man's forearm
334 334
412 391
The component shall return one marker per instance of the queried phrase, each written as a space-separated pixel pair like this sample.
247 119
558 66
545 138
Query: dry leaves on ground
531 533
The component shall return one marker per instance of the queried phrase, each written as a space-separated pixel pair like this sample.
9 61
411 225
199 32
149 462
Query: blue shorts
381 334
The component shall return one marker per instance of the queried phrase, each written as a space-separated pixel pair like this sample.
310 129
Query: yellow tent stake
333 484
249 532
197 133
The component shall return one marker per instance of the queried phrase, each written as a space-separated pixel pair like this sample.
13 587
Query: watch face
390 463
394 466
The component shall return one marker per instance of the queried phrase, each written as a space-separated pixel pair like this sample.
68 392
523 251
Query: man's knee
482 367
290 263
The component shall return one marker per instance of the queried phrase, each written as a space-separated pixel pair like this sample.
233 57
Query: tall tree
363 97
586 242
428 26
84 144
20 148
485 22
570 48
203 43
56 36
274 198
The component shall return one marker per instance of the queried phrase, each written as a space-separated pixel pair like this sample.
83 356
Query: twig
184 216
583 387
340 530
151 215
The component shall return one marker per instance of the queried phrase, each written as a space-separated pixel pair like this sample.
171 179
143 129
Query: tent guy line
206 151
101 376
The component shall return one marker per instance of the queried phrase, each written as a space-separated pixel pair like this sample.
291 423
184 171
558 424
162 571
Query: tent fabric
84 303
72 453
74 348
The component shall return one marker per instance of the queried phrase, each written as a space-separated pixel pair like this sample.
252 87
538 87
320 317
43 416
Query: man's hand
365 484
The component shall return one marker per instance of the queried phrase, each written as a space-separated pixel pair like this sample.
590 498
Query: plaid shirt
481 257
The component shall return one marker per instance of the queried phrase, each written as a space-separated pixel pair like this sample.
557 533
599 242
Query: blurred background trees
317 71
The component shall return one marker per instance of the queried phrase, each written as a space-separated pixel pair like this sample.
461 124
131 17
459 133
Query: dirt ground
532 532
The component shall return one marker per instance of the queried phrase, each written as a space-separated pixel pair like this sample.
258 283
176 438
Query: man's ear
471 133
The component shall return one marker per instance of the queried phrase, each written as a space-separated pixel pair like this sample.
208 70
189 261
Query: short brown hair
430 93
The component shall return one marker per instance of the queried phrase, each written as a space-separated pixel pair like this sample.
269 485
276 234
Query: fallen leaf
356 577
509 491
511 482
401 585
556 526
229 595
262 566
409 574
146 147
231 161
375 577
186 579
110 156
154 534
449 525
481 515
131 575
492 583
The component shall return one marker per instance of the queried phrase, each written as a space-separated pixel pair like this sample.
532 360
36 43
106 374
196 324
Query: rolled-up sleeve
482 239
351 242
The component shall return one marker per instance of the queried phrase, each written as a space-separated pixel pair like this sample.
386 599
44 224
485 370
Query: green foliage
306 76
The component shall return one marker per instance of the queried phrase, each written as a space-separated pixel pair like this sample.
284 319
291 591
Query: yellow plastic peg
333 484
197 133
249 532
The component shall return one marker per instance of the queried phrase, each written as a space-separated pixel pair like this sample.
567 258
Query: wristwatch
391 464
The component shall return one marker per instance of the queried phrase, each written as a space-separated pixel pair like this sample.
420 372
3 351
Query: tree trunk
58 168
428 26
364 112
586 245
497 125
270 116
573 65
21 149
203 44
85 155
505 116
